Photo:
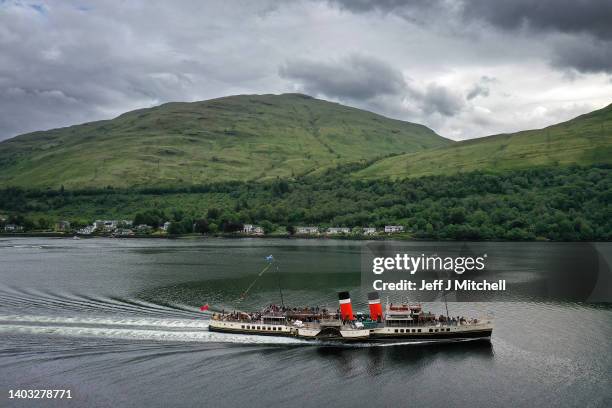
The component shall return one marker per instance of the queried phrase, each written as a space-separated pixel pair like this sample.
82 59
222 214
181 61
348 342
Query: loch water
117 322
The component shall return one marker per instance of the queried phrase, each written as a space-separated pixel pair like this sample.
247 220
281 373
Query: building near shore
251 229
13 228
307 230
338 230
105 225
87 230
390 229
369 231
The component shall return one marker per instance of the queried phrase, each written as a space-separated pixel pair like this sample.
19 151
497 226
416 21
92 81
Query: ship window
401 330
396 330
448 329
413 330
242 327
436 330
431 330
419 330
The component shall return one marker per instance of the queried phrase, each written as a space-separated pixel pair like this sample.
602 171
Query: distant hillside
247 137
584 140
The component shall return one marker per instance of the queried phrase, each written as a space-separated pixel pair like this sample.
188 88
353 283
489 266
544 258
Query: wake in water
76 315
64 314
170 330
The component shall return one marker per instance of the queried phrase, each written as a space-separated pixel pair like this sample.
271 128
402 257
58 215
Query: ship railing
432 323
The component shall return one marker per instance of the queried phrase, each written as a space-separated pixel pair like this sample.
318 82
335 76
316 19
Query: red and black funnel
376 311
346 309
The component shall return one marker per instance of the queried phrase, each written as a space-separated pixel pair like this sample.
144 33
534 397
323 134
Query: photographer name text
440 284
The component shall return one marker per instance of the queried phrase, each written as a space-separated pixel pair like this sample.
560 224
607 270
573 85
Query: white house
338 230
307 230
390 229
13 228
86 230
105 225
251 229
369 231
166 226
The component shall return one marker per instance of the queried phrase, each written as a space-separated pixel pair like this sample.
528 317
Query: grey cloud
569 16
354 77
477 90
587 20
368 82
480 89
439 99
67 65
583 54
63 64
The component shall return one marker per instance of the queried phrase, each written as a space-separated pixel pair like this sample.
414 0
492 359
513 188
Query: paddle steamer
398 323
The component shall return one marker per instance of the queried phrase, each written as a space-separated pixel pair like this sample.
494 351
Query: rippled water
117 322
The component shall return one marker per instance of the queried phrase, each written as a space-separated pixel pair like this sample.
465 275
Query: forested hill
246 137
560 203
585 141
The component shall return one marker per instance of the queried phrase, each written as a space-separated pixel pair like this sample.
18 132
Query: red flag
203 308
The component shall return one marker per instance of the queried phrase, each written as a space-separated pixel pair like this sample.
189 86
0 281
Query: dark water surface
117 322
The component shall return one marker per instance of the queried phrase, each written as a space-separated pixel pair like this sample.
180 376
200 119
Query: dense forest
569 203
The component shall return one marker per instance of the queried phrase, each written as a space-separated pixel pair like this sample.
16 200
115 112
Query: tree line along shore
555 203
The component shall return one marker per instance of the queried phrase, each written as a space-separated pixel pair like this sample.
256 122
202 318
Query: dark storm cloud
368 82
354 77
586 24
574 16
585 55
589 21
593 17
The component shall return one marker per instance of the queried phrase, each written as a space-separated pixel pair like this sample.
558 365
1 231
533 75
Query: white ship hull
346 333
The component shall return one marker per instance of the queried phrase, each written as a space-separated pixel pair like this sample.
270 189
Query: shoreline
235 236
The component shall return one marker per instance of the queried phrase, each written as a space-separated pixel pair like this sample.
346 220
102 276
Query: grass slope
584 140
246 137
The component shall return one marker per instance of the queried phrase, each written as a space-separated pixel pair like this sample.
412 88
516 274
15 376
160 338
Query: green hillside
247 137
585 140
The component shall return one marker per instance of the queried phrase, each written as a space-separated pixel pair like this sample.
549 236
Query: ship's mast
280 288
446 305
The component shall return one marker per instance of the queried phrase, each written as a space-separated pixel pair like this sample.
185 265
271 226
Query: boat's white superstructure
398 323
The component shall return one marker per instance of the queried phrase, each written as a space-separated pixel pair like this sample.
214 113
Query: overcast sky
465 69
